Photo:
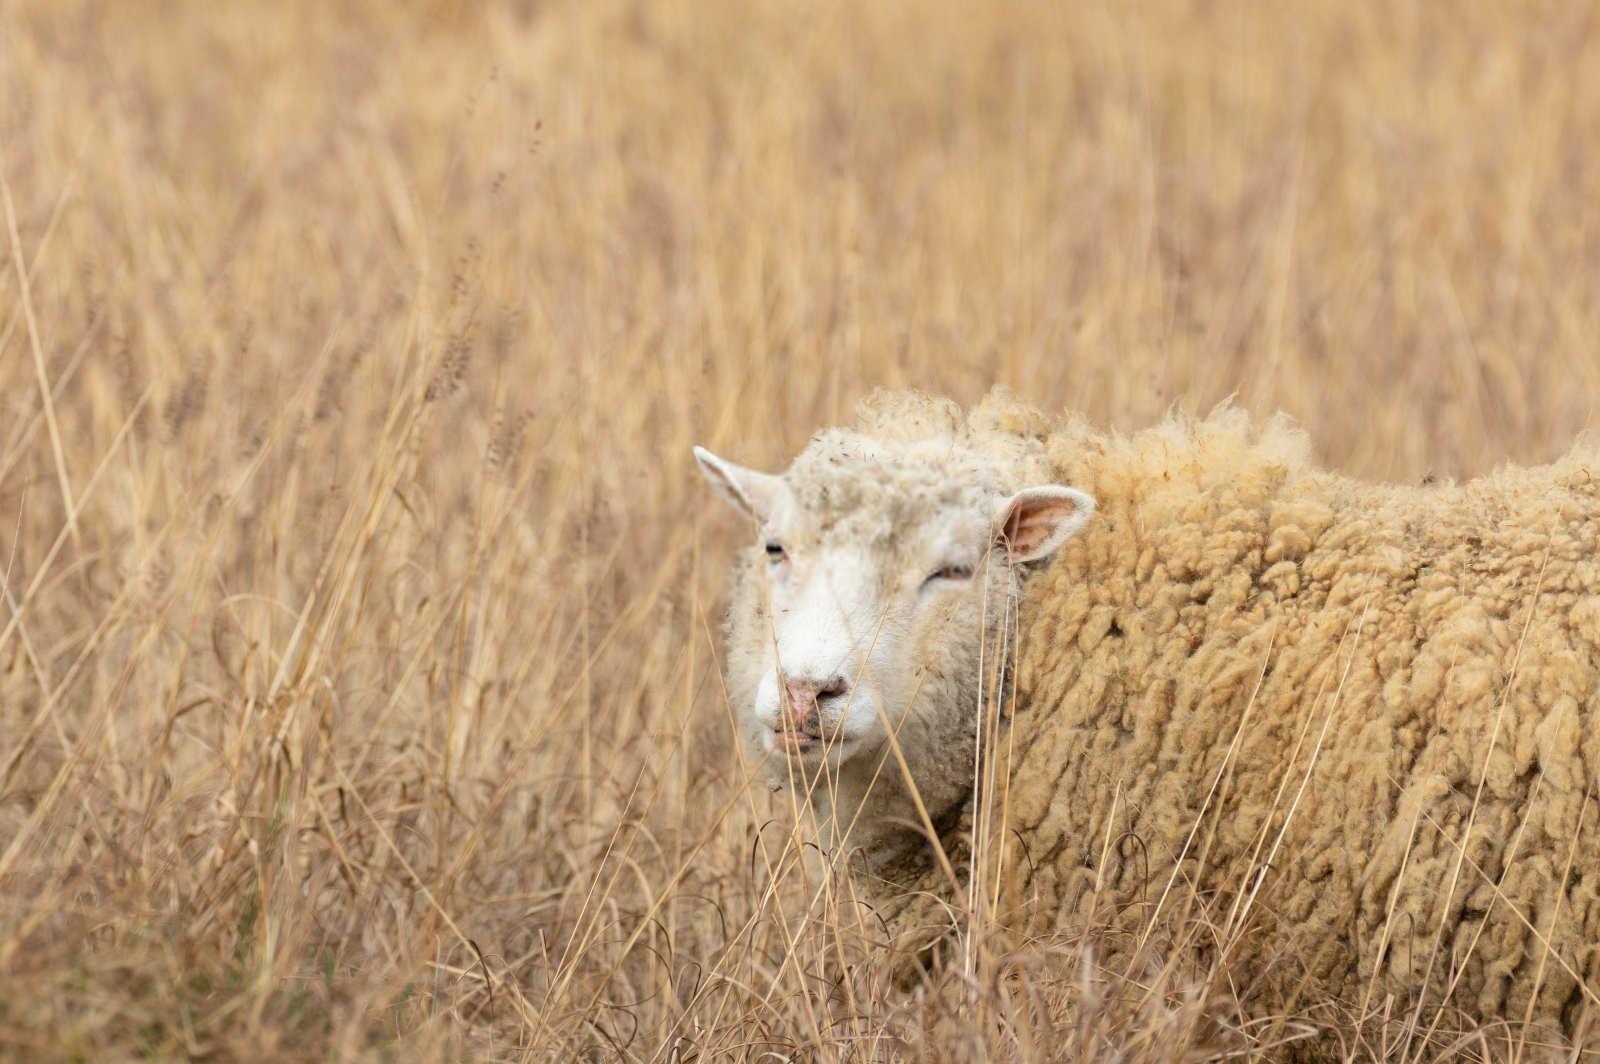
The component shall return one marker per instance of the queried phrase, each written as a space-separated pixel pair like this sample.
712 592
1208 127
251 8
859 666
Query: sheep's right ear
1035 522
753 494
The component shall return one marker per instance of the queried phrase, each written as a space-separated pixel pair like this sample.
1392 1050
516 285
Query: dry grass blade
47 401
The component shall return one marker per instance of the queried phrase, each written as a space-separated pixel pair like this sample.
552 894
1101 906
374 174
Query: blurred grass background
358 690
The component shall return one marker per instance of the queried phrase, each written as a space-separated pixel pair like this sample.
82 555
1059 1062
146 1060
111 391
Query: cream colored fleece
1376 708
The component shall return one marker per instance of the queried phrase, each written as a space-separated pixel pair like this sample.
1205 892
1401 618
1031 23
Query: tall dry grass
358 664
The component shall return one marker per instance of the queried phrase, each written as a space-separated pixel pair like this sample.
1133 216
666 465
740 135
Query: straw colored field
358 687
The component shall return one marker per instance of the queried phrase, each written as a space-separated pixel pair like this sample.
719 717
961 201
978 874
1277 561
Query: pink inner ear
1032 521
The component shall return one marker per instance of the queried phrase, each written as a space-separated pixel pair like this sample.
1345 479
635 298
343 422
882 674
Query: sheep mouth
797 742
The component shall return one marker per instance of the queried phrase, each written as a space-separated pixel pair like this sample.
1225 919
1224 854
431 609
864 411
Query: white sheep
1362 723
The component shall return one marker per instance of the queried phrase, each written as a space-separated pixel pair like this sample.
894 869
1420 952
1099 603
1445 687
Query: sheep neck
879 823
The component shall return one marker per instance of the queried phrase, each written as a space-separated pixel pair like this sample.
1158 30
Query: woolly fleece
1350 680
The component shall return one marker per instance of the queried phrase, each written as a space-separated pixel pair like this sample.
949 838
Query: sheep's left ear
1035 522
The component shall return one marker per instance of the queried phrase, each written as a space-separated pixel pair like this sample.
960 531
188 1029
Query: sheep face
879 573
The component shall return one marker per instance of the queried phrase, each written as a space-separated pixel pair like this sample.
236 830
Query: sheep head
882 572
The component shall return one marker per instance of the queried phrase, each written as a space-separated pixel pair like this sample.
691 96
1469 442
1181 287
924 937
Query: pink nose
802 707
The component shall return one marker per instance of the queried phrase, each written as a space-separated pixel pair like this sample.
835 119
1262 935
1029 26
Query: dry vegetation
358 685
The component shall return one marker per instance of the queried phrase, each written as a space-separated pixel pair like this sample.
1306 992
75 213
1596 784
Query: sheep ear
1035 522
751 493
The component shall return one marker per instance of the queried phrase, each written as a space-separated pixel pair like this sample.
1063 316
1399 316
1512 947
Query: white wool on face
886 582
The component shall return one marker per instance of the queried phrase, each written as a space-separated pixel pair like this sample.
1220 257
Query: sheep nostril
805 692
834 688
805 703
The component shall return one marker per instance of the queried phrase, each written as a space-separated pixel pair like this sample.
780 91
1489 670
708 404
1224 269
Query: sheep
1362 722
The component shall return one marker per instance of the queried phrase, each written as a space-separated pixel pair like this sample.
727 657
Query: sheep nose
806 697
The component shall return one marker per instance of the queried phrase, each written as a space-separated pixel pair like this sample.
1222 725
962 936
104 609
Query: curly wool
1371 712
912 454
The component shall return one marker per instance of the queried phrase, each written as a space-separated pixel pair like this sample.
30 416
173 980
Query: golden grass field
358 659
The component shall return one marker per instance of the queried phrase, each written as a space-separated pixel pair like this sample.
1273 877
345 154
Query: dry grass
358 682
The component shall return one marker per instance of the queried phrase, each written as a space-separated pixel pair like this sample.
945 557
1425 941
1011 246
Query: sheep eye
951 572
775 552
